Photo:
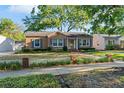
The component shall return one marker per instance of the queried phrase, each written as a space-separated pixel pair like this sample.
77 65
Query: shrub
109 47
26 50
49 48
85 60
48 64
10 66
112 47
65 48
87 49
104 59
15 66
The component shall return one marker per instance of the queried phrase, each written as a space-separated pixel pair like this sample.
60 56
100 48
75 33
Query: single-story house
6 44
57 40
101 40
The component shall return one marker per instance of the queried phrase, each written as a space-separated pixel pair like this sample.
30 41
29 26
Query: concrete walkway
60 69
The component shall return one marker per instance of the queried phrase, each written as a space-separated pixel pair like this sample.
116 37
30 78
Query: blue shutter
32 41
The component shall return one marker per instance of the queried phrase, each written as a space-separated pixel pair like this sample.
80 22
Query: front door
71 44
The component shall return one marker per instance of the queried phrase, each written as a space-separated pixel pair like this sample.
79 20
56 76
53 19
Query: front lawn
33 81
116 54
101 78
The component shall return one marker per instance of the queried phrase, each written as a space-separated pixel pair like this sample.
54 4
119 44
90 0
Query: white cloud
21 8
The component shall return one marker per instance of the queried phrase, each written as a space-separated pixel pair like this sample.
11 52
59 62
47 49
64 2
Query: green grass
33 81
93 60
115 53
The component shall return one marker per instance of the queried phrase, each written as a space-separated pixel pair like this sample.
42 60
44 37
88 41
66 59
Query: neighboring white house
6 44
101 40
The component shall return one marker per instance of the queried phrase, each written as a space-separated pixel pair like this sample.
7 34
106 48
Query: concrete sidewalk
60 69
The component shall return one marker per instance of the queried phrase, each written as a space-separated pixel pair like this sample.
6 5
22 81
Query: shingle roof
37 33
29 33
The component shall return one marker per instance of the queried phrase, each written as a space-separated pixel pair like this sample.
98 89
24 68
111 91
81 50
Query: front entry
71 44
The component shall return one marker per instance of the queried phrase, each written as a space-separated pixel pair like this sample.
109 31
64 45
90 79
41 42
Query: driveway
60 69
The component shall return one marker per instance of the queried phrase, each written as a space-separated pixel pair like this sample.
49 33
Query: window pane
84 42
80 42
54 42
60 42
88 42
37 42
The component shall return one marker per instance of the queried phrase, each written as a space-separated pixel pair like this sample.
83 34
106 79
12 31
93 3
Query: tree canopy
107 19
57 17
102 19
11 30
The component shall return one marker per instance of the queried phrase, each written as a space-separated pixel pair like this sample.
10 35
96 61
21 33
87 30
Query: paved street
60 69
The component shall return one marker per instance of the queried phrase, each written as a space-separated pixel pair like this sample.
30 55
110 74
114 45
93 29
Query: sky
15 12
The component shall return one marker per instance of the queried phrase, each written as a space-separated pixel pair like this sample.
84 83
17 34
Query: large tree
62 18
107 19
95 19
11 30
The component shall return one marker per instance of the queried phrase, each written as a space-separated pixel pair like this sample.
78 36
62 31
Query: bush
48 64
85 60
38 50
26 50
104 59
49 48
87 49
10 66
112 47
109 47
31 81
65 48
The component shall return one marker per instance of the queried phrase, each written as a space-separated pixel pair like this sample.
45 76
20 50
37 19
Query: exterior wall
115 39
28 42
47 41
98 42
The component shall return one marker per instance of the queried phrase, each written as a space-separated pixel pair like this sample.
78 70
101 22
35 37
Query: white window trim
39 43
112 41
58 42
87 41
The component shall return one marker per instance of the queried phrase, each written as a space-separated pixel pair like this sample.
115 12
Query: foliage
87 49
10 66
104 59
103 19
62 18
85 60
31 81
11 30
65 48
106 19
93 60
110 47
48 64
49 48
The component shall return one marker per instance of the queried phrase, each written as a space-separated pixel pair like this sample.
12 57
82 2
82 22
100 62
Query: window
60 42
54 42
37 43
84 42
57 42
111 42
